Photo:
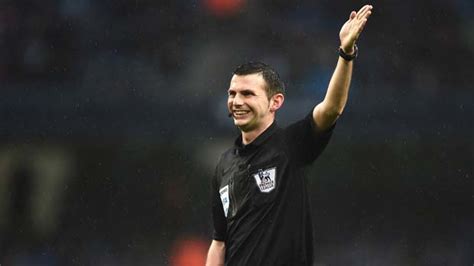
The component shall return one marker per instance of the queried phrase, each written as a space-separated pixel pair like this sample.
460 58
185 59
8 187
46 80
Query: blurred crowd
72 61
112 114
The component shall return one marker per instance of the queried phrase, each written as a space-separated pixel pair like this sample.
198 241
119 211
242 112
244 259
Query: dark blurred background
113 114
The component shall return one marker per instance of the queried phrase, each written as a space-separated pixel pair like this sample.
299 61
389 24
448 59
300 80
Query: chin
240 124
245 127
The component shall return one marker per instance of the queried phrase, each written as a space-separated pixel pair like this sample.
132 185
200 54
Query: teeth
240 112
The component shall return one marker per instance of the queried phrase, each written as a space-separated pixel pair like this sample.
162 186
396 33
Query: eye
247 93
231 94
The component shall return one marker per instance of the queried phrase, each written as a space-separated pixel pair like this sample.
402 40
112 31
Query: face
249 104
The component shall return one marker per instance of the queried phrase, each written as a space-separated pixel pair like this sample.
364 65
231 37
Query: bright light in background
224 8
189 251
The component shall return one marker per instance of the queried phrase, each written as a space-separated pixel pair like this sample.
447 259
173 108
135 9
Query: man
260 205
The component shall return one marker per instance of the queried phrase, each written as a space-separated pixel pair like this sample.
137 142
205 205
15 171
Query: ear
276 102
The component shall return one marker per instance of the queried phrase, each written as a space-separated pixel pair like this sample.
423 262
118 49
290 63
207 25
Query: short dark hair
273 82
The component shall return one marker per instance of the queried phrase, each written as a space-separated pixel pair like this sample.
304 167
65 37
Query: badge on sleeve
225 198
265 179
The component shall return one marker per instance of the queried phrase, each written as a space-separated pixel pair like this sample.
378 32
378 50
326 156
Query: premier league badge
265 179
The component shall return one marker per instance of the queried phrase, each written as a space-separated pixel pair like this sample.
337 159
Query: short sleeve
218 218
305 141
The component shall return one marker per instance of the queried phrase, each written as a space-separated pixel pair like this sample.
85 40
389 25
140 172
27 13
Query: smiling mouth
240 113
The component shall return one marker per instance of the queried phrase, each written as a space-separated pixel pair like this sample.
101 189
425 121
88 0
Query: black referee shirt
260 204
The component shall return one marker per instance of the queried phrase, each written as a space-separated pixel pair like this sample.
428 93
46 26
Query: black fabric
268 219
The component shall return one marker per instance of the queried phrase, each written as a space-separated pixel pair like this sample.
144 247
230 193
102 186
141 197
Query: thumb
352 15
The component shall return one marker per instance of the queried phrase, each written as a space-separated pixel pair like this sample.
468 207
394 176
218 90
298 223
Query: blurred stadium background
113 115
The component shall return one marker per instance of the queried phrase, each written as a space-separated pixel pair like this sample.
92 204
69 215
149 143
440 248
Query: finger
361 26
363 11
367 14
352 15
363 16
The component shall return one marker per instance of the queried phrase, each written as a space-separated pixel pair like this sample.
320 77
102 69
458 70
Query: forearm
216 254
327 112
338 89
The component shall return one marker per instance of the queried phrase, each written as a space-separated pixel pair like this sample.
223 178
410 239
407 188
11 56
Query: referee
260 205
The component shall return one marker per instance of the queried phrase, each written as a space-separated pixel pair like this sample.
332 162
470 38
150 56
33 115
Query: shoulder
305 141
306 126
224 159
226 156
301 126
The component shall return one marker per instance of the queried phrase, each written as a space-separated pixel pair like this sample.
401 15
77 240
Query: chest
249 182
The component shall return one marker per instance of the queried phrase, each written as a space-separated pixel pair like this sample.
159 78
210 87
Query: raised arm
328 111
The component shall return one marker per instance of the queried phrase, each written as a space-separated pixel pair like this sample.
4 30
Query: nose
238 100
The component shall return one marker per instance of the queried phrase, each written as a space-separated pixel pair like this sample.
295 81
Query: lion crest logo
265 179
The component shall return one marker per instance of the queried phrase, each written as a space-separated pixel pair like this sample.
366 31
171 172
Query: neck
249 136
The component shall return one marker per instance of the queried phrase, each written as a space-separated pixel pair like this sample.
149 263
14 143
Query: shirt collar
239 146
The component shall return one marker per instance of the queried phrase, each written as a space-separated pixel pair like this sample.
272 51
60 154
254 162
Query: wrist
348 55
348 49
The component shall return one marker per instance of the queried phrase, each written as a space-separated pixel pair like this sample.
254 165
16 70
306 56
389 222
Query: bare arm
216 254
328 111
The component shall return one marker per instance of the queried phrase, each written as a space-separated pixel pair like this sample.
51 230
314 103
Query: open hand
351 30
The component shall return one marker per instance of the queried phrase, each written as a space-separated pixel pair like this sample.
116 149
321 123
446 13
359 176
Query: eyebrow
242 91
248 91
